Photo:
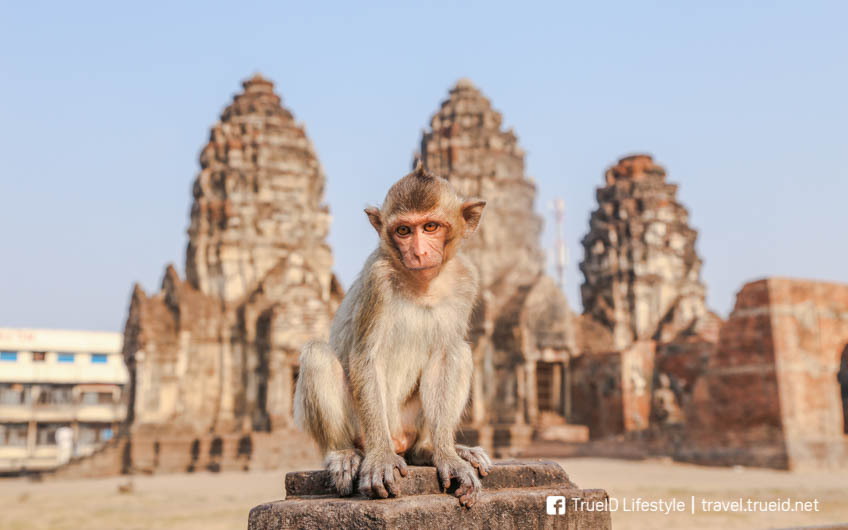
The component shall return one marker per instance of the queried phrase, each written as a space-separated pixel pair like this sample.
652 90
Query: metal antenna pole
561 251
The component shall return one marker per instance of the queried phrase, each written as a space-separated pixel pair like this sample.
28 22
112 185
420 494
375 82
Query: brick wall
770 394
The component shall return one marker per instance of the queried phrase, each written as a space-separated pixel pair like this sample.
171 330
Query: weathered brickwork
643 299
772 394
522 332
613 390
217 352
768 387
642 273
213 357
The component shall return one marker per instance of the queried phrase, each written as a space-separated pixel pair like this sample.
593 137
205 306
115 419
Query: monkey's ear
472 211
374 217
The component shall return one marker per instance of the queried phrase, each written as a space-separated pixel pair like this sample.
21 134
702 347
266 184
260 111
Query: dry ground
218 501
658 479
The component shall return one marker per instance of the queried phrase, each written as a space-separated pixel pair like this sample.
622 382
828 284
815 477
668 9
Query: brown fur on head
421 192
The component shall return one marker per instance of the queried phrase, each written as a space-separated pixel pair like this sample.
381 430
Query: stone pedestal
514 496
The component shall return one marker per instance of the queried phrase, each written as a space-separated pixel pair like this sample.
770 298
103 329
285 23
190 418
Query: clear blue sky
104 108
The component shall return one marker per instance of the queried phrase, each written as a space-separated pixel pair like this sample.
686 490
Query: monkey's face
420 239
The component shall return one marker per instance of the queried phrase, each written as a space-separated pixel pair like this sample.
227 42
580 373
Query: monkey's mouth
415 269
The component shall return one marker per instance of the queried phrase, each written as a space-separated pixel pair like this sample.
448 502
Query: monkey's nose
419 248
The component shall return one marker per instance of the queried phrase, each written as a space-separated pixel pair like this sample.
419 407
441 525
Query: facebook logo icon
556 505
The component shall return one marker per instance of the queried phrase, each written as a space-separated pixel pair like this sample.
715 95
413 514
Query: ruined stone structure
768 387
642 274
613 390
217 352
646 334
522 334
213 358
774 394
643 303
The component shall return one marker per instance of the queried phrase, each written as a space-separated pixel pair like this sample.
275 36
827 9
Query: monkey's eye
431 227
402 230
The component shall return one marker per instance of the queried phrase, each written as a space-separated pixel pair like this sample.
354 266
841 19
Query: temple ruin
213 357
522 333
642 273
774 394
768 387
646 330
218 350
215 354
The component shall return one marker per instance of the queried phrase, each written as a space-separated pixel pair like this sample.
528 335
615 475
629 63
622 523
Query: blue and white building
55 381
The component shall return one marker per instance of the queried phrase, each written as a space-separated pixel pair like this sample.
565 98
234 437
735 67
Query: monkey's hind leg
322 408
477 457
421 454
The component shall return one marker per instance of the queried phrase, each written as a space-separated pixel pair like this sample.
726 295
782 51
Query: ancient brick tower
258 198
642 274
522 321
218 351
467 145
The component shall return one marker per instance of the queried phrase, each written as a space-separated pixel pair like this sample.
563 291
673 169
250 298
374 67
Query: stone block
514 496
564 433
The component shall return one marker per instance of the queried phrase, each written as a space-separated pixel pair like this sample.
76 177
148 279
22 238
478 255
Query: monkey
391 385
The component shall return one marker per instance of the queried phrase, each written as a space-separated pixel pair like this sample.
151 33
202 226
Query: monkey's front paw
469 487
477 457
343 466
377 474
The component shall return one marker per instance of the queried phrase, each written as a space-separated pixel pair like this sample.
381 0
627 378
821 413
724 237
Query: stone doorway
549 387
842 377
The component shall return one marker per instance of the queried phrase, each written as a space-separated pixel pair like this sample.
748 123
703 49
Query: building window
89 433
13 434
66 357
46 433
97 398
39 356
13 394
98 358
56 395
10 356
94 433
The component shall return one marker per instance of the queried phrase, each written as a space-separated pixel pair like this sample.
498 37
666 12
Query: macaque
391 385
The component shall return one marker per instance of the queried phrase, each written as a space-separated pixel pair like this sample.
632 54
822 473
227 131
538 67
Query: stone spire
467 145
521 317
218 352
258 196
642 274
